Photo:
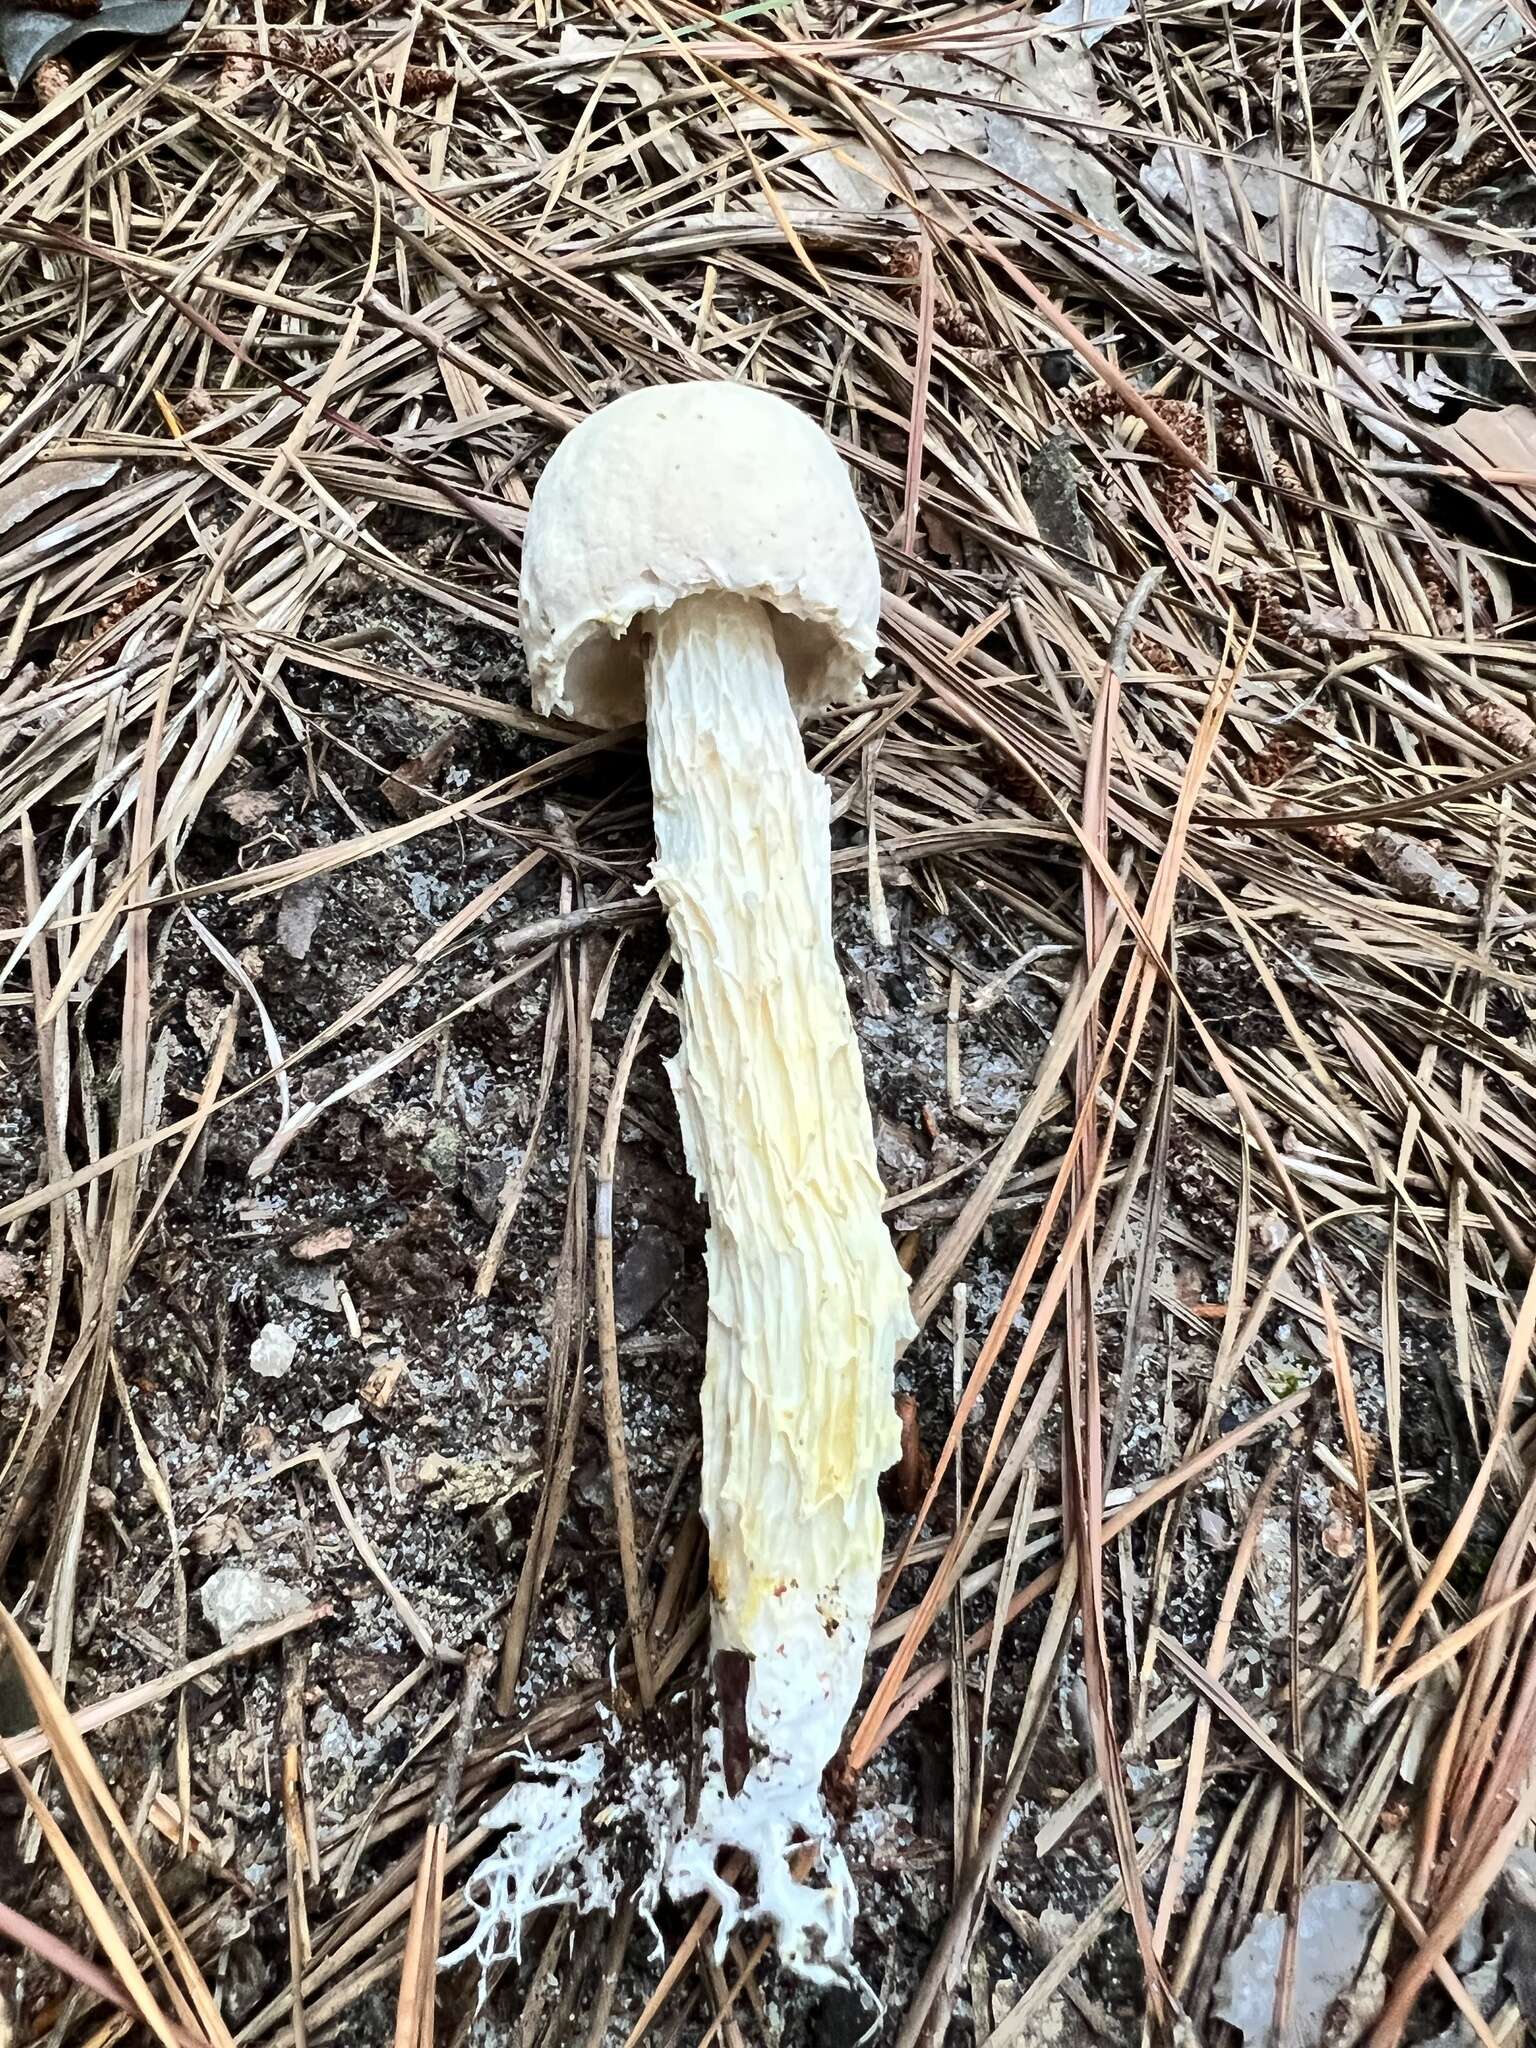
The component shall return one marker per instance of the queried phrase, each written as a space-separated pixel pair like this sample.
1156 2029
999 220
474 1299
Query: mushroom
695 557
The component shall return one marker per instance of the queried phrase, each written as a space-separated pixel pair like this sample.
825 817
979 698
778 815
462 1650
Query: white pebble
237 1598
273 1352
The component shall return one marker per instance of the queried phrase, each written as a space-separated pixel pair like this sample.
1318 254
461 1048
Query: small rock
484 1180
297 916
442 1152
1215 1531
647 1271
314 1286
238 1598
273 1352
1271 1233
250 808
1333 1927
323 1244
347 1416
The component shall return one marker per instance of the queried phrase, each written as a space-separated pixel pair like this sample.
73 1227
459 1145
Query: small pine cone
1025 792
956 325
1187 421
1154 655
52 77
1486 160
123 607
1174 493
1505 724
1439 599
905 260
425 82
1234 436
318 53
1258 593
1288 478
1171 484
242 68
1338 842
1098 403
197 406
1283 754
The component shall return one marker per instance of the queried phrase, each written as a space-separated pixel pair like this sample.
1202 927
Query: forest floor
1185 884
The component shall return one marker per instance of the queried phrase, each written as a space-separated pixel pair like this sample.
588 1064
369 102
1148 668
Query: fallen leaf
1094 17
1455 275
28 35
1051 488
1217 186
625 74
378 1390
982 111
1322 217
1338 625
1332 1929
904 1485
588 53
42 482
851 175
1419 873
467 1484
1485 29
1503 440
408 790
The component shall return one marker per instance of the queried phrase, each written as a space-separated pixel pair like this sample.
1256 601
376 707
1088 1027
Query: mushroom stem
807 1301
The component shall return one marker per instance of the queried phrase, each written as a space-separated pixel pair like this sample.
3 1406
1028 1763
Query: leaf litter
1188 940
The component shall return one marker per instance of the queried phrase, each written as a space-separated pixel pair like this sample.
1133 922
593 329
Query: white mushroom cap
677 491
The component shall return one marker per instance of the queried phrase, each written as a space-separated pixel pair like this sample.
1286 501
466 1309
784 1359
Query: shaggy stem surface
807 1301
